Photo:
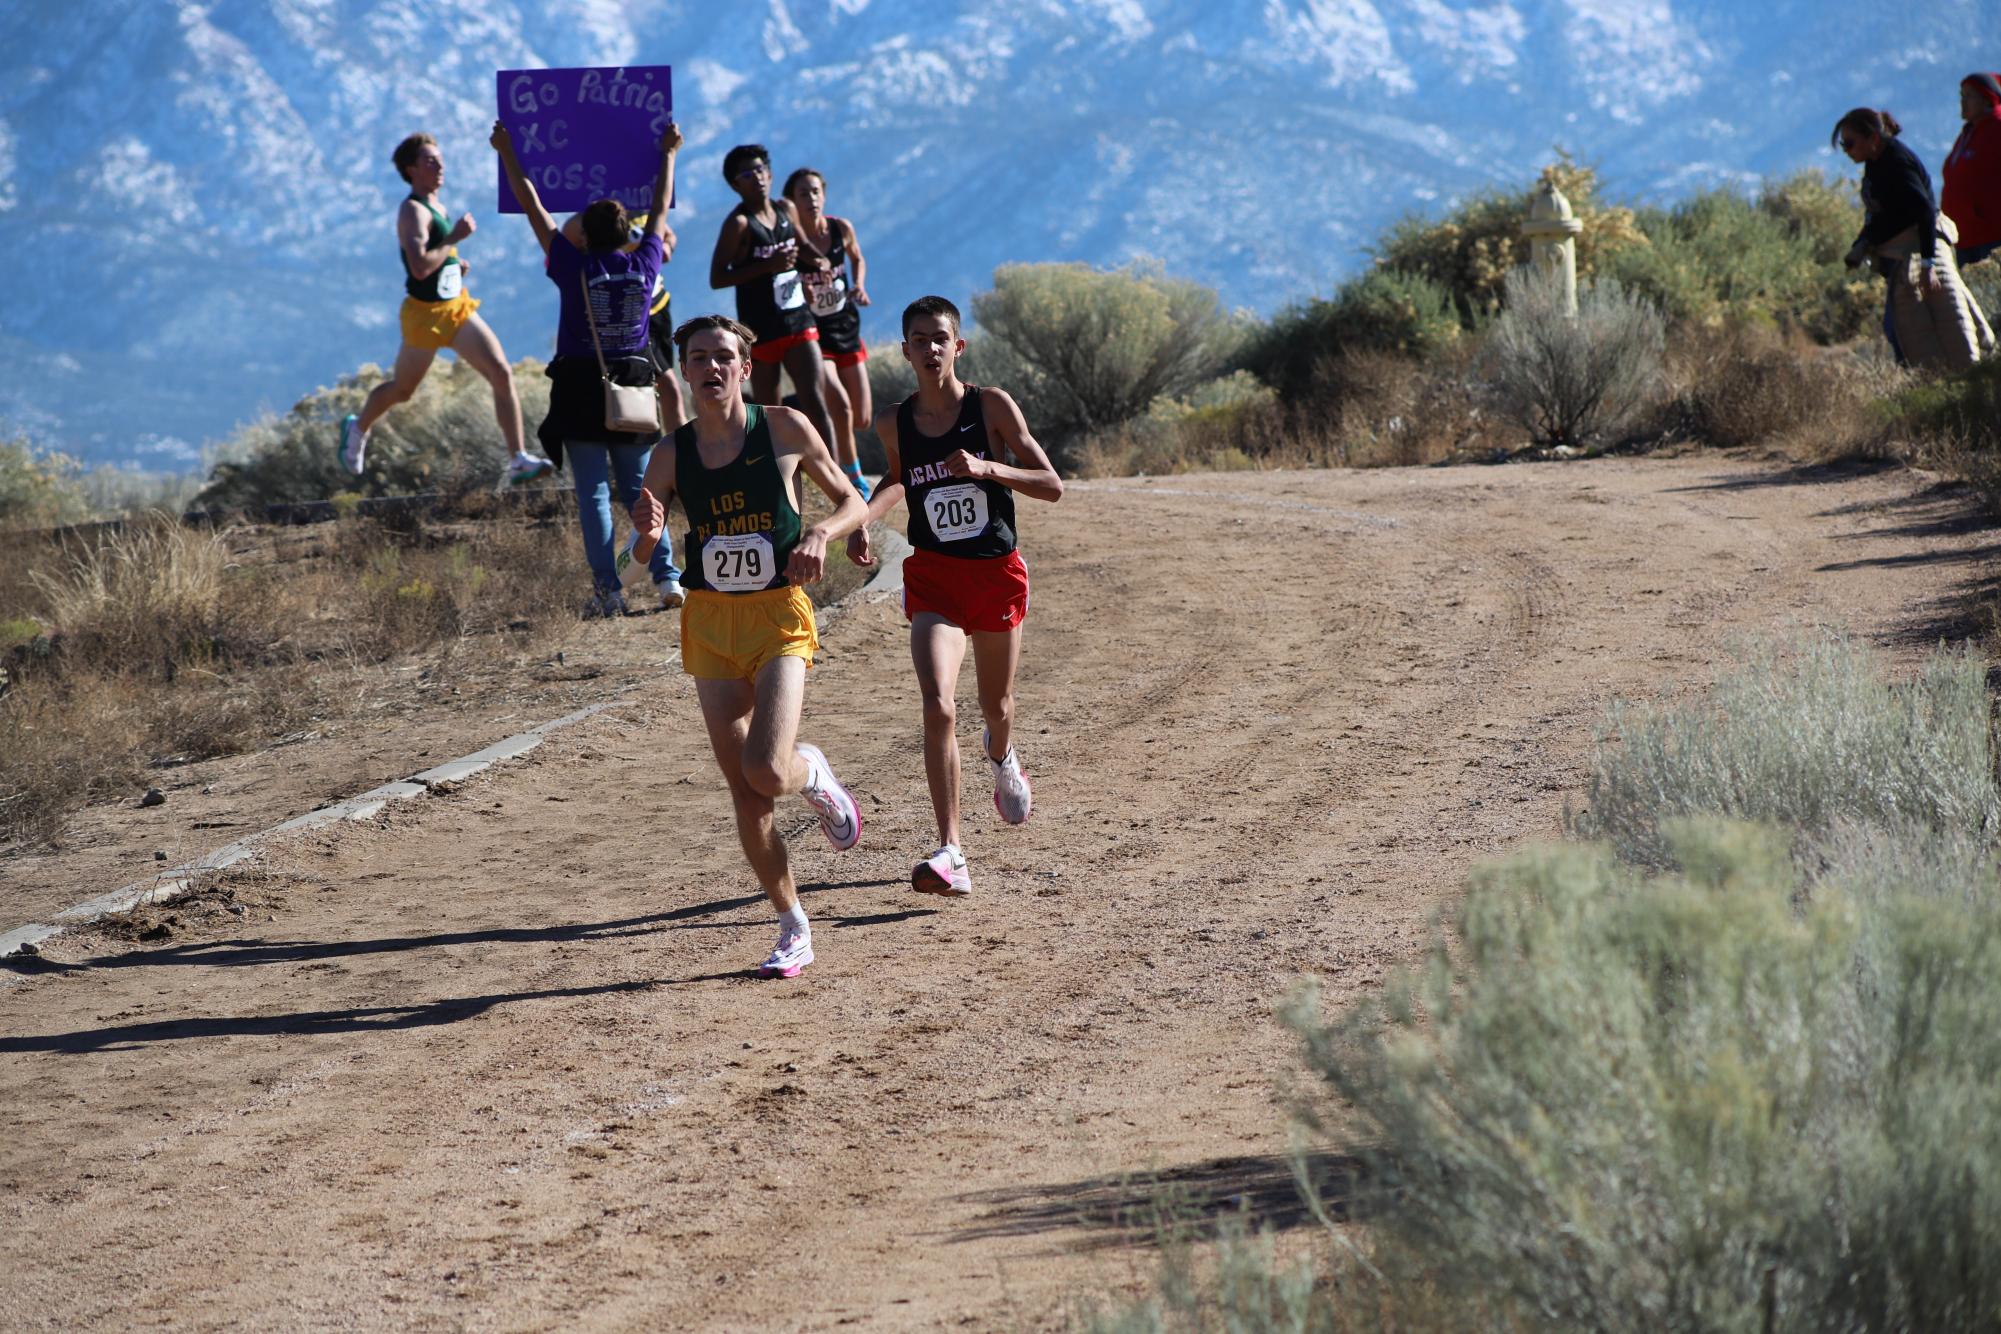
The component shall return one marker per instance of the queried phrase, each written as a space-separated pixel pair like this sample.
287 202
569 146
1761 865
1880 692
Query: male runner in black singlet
747 631
950 446
758 253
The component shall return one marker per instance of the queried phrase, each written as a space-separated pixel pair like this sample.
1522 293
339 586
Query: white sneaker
672 594
527 467
943 872
1012 795
353 444
794 952
840 818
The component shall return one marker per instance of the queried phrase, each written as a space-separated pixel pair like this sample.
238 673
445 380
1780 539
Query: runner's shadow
241 953
1803 474
1196 1202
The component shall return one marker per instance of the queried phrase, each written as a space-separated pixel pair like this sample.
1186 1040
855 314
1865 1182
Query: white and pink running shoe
1012 796
943 872
840 818
794 952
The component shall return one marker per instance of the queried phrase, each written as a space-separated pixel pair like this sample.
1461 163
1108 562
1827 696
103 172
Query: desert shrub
1809 746
1384 310
1203 430
1983 284
1750 383
1565 378
444 439
1471 251
39 488
1105 344
1696 1101
1965 407
1722 256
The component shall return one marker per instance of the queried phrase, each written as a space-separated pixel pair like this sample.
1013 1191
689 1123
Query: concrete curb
183 879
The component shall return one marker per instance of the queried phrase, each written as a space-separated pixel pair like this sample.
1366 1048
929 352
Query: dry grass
156 641
1752 385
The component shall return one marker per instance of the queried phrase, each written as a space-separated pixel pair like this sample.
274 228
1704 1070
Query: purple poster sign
585 134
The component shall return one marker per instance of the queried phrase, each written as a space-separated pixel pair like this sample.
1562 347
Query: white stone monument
1552 231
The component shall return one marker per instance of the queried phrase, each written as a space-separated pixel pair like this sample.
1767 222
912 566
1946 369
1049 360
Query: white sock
794 919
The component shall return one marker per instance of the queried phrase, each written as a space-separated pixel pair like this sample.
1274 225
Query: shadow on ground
1196 1202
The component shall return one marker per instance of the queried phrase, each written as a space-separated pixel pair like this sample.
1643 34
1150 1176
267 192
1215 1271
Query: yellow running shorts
434 324
730 636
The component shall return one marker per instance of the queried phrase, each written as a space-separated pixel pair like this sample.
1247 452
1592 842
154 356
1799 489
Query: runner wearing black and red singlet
758 253
836 300
958 453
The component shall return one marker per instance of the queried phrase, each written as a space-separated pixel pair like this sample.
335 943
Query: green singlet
742 522
439 286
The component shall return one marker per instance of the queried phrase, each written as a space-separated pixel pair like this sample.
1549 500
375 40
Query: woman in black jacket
1926 315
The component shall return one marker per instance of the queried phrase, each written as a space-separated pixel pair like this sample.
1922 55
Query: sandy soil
498 1061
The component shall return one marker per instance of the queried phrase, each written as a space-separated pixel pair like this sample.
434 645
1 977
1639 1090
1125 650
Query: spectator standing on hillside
437 314
1972 175
606 288
758 254
1929 319
835 301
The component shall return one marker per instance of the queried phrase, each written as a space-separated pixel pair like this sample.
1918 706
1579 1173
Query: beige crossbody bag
626 407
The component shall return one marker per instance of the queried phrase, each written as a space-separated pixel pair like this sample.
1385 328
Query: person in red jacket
1972 175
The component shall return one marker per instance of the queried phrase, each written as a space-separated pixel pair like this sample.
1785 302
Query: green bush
1471 251
1104 345
1384 310
444 439
1572 378
1807 747
1722 256
39 488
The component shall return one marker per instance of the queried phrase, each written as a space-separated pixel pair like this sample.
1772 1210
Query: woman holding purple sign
605 285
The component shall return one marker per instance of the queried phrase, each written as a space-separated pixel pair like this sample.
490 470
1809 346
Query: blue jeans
595 468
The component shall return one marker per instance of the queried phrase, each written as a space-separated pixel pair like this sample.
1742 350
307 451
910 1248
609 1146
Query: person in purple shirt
588 255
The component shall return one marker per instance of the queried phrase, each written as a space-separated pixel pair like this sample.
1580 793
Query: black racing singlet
742 524
774 305
445 281
954 516
839 319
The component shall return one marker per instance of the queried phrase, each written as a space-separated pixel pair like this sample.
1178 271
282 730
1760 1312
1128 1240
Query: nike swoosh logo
758 459
967 427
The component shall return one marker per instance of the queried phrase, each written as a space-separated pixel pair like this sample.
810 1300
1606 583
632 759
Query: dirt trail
498 1062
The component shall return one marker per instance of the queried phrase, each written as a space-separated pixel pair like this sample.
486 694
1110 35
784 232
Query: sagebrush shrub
1105 344
1807 745
39 488
1572 378
1384 310
443 439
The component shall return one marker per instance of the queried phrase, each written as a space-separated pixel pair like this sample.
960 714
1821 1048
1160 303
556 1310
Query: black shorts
841 332
660 338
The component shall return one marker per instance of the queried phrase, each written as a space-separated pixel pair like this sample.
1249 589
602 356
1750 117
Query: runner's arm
524 189
858 288
809 256
886 495
412 225
792 435
725 268
1007 427
649 507
663 185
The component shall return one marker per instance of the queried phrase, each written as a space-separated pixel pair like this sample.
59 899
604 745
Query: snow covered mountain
196 198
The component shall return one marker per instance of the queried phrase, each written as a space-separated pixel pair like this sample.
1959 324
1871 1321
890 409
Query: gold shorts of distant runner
731 636
434 324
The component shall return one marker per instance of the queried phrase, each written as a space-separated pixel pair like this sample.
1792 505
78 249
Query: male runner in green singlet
747 631
437 314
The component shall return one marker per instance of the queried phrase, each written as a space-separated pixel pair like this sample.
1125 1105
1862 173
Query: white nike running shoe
840 818
353 444
943 872
1012 795
794 952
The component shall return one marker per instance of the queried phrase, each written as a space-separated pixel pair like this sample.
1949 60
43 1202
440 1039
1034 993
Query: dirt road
498 1062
